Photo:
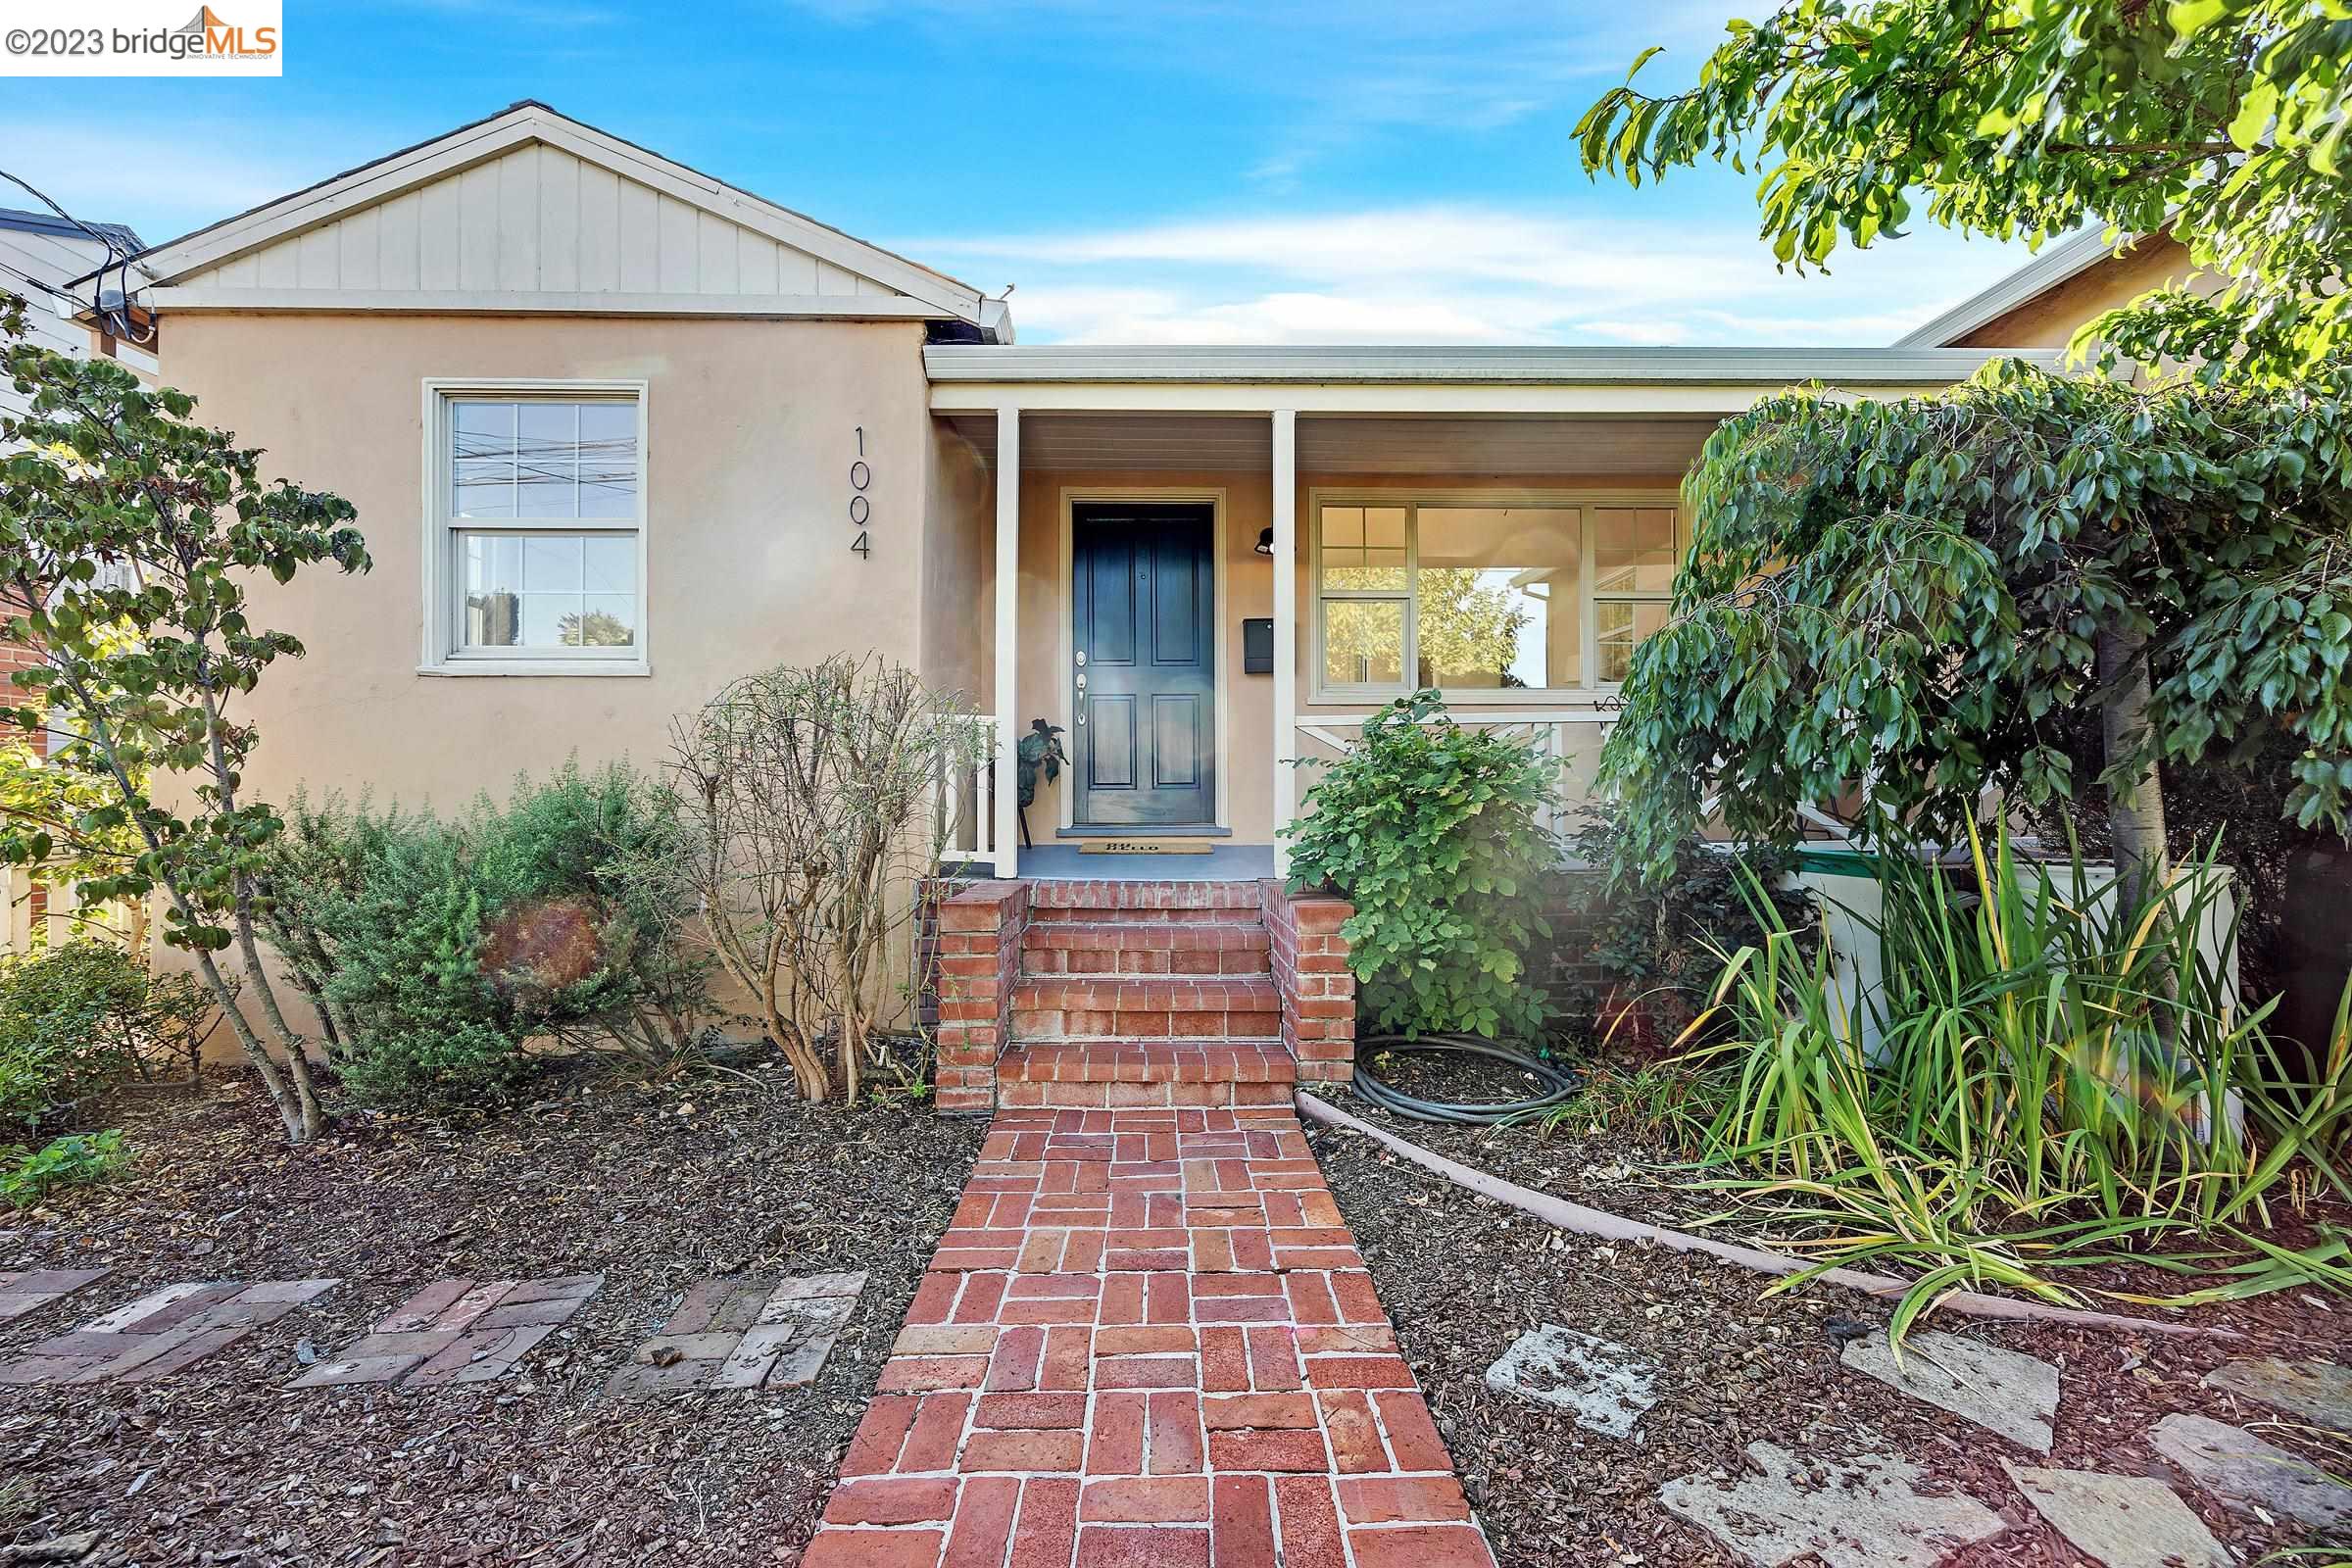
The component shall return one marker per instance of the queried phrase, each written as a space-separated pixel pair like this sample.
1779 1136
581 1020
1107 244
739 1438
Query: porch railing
1572 735
965 805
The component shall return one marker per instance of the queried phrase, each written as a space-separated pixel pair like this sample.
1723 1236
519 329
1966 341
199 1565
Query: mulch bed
220 1463
1464 1276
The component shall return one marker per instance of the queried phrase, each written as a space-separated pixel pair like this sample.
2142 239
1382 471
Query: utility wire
118 322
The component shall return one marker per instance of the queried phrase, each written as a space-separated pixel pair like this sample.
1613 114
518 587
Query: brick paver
1147 1338
158 1333
736 1333
457 1330
20 1293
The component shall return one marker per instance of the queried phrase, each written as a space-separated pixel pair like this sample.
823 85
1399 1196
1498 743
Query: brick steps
1115 1075
1148 949
1078 1008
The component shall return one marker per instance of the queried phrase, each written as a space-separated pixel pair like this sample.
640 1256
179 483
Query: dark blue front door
1144 595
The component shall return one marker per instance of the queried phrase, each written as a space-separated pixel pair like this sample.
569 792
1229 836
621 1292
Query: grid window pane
1363 549
1622 624
1363 642
1634 550
1495 600
536 591
541 458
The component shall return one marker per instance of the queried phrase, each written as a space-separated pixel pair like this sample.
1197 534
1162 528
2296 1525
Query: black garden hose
1388 1098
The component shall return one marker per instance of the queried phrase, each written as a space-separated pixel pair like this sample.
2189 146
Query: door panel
1144 618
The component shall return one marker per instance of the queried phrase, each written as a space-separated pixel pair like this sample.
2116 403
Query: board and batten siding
536 220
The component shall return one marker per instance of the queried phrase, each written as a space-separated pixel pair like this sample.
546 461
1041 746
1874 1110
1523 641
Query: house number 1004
861 508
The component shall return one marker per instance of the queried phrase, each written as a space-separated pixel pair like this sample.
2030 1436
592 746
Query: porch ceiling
1470 447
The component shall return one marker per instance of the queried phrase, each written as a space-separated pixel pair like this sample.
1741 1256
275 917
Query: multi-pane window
541 517
1472 596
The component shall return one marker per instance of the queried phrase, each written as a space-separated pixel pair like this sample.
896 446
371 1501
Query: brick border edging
1312 978
979 957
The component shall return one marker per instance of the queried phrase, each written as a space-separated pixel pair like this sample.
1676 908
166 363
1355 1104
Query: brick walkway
1146 1339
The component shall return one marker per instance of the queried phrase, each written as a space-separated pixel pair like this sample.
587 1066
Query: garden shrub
1662 945
80 1015
1435 832
26 1176
437 951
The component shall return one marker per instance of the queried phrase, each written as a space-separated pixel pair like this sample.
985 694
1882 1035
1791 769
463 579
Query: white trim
437 581
456 302
1584 501
1068 363
1285 462
1717 399
527 123
2067 259
1007 649
1069 498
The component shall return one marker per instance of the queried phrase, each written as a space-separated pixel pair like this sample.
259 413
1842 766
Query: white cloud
1460 274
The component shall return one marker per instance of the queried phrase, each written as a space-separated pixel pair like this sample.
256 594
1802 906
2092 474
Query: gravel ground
220 1463
1464 1276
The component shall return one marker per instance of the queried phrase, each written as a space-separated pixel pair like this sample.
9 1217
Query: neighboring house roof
1448 365
530 210
119 235
2067 259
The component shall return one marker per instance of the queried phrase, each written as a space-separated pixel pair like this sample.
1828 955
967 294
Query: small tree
127 533
1912 596
814 799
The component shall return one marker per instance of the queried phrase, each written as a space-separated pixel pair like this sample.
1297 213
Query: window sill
1482 697
535 666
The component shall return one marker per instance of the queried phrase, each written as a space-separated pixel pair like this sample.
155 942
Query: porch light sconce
1265 541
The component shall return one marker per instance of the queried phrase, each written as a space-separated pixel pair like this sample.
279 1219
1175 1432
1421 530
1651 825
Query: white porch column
1007 792
1286 628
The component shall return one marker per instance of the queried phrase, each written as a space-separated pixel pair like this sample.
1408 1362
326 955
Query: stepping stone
2320 1391
23 1292
2121 1521
1606 1386
2247 1473
2000 1390
742 1333
162 1332
1863 1512
457 1330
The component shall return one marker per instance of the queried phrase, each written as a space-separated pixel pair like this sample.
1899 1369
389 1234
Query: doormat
1146 846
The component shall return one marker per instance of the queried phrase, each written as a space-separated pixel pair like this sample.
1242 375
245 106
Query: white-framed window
1479 595
535 544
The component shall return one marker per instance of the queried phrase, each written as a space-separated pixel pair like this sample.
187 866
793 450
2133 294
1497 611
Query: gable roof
2070 258
531 210
119 235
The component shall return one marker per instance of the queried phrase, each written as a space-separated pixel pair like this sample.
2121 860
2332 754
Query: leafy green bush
31 1175
437 951
1435 831
79 1015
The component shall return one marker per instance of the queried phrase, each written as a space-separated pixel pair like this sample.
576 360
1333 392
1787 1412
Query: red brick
1296 1451
1241 1523
1309 1523
1031 1410
938 1429
1023 1451
1413 1434
874 1450
1401 1499
1049 1523
983 1522
1098 1548
1355 1433
922 1372
1174 1434
892 1501
1421 1546
1228 1412
1115 1442
872 1549
1147 1500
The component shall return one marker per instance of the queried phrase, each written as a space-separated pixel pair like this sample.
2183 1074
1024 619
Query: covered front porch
1201 565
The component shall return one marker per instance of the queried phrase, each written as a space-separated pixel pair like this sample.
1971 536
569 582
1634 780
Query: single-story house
618 431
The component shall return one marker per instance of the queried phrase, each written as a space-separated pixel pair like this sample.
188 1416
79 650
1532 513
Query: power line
118 322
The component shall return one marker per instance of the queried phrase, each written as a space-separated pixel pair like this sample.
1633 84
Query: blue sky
1156 171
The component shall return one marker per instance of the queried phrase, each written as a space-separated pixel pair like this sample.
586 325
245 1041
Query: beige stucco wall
751 433
2051 318
1246 741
